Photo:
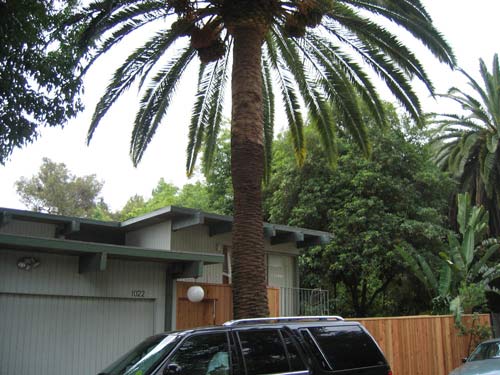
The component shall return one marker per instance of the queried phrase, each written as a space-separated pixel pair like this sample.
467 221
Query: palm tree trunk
247 166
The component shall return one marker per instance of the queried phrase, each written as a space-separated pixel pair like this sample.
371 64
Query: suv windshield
488 350
144 357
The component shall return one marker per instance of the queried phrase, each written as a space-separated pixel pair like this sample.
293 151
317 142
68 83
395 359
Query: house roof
70 247
181 218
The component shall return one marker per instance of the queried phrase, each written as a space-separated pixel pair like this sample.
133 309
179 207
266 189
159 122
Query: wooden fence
216 307
415 345
421 345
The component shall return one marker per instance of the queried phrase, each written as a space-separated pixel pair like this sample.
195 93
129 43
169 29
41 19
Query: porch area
217 308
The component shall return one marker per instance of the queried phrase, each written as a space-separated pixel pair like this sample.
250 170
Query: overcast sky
471 27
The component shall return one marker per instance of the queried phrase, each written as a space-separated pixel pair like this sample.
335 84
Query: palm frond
155 102
411 15
290 99
136 66
267 92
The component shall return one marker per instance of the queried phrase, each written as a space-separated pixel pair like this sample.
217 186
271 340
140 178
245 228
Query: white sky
471 27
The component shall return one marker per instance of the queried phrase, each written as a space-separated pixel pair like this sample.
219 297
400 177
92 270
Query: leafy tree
167 194
468 145
134 207
219 186
307 45
195 196
57 191
398 198
37 84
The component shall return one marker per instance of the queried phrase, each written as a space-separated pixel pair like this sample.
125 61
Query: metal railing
300 301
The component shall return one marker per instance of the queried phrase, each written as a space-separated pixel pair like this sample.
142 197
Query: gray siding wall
154 237
197 239
75 324
50 335
58 275
29 228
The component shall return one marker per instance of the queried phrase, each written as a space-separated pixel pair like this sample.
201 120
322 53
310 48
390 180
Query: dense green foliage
166 194
57 191
218 178
37 83
465 271
398 198
468 144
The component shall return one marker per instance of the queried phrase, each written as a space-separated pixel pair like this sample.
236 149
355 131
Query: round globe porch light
195 293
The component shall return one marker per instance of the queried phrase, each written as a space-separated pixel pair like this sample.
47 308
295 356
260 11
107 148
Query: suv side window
264 352
204 354
296 363
347 347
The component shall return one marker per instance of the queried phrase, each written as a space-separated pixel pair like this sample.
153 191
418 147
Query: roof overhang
180 217
93 256
183 218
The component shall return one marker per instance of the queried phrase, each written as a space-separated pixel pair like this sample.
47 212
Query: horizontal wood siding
58 275
29 228
216 307
420 345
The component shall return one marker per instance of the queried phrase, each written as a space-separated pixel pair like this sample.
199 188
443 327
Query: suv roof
286 319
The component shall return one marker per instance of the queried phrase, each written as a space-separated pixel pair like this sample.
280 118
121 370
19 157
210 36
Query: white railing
300 301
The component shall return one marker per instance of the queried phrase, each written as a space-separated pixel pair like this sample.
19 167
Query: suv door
344 349
269 351
201 354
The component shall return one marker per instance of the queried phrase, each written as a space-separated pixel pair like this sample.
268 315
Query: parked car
298 346
484 360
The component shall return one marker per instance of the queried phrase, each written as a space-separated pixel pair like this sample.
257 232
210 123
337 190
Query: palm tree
319 51
468 144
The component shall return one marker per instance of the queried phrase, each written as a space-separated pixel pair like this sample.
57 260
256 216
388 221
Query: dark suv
295 346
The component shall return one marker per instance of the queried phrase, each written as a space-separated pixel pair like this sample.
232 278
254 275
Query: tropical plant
465 273
468 144
469 257
310 48
438 286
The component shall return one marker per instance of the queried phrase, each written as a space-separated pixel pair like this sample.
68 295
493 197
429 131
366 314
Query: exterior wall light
195 293
28 263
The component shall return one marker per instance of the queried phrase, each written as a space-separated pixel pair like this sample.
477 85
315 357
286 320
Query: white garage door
47 335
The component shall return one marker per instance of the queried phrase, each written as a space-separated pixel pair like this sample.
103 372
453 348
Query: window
296 363
144 357
206 354
263 352
486 351
347 347
226 267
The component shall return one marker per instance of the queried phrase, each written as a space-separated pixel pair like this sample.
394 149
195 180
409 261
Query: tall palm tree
468 144
316 52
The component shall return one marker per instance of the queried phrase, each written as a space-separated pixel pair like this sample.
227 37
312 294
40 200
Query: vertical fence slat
421 345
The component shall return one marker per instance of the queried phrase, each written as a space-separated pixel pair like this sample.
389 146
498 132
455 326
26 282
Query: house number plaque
138 293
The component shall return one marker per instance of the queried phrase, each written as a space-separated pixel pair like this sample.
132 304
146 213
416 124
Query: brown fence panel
421 345
215 308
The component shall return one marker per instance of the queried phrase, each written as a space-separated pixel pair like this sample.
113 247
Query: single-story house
77 293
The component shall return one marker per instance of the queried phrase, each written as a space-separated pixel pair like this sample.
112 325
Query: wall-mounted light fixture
27 263
195 293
